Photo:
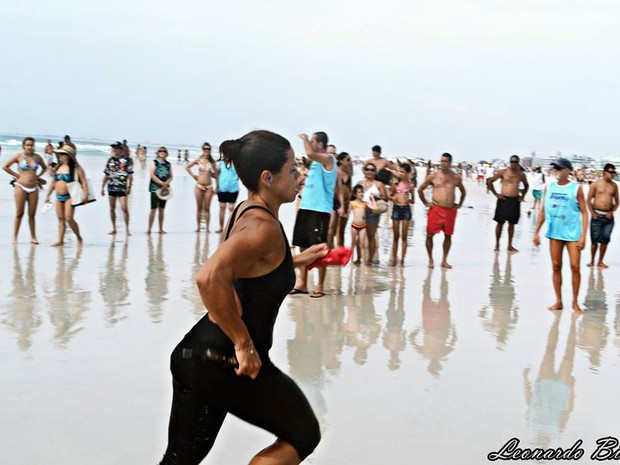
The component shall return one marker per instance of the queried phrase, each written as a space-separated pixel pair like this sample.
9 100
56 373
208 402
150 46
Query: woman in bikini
343 194
30 168
66 171
373 190
402 196
204 190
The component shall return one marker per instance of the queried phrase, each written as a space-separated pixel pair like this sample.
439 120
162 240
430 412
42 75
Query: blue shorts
401 213
537 194
600 229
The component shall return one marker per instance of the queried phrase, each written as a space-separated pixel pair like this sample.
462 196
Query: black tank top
260 299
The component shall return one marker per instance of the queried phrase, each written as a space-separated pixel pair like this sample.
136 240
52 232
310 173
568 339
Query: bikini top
403 188
24 165
66 177
208 167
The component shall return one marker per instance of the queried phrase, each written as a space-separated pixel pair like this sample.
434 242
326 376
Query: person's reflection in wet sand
617 322
68 303
316 347
21 314
362 326
593 332
504 312
190 293
438 333
156 279
394 336
113 284
550 402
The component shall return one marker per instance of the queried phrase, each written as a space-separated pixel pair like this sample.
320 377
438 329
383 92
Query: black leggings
205 392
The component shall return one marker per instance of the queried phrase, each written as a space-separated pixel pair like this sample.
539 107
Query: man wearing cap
566 214
602 203
509 199
118 175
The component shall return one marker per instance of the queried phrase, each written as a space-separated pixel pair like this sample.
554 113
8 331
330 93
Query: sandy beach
402 365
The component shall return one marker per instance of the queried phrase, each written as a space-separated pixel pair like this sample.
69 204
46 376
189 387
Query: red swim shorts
441 219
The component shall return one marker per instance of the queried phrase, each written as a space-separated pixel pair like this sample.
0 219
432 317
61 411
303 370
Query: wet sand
402 365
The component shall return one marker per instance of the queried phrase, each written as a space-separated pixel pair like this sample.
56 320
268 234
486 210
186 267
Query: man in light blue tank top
317 204
565 211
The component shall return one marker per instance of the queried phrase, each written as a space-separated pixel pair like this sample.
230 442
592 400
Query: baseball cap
562 163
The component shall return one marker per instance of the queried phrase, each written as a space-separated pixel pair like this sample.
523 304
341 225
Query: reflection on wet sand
156 279
551 400
617 322
68 303
21 315
113 284
438 333
593 332
190 292
394 336
361 327
504 313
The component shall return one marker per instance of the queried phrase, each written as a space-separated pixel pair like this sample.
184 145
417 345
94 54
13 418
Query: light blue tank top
562 212
227 181
318 194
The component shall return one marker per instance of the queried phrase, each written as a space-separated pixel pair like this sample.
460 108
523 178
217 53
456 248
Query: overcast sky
478 78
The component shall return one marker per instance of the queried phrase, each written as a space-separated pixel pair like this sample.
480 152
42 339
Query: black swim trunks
508 209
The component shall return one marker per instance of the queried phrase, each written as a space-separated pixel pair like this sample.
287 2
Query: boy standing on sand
442 209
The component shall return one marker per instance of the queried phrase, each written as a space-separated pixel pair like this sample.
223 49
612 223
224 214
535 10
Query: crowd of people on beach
327 198
222 365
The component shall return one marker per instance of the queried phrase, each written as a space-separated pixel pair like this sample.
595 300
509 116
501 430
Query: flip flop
297 291
317 295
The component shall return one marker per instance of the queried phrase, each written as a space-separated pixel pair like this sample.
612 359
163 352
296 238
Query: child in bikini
358 225
402 196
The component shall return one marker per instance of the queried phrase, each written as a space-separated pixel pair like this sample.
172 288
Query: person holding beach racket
222 365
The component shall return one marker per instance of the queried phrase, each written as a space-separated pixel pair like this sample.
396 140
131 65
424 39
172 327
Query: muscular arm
427 182
492 179
323 158
460 187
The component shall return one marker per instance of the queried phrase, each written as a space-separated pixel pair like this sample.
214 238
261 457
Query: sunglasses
372 170
206 148
162 151
514 161
611 171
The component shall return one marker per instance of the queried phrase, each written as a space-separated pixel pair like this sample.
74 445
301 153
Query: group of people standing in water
29 171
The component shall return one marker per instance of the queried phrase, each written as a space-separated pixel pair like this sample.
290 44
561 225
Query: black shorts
310 228
508 209
117 193
156 202
227 197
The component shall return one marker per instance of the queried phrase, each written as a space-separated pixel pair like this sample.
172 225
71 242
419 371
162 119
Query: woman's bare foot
431 264
392 262
557 306
15 241
512 249
80 241
577 308
219 231
35 242
58 244
128 233
602 265
446 265
161 231
148 232
112 233
401 262
590 265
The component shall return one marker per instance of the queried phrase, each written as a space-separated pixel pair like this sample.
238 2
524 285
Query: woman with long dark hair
67 170
222 365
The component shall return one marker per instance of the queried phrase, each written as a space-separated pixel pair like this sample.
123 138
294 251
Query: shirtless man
602 202
508 200
383 166
442 208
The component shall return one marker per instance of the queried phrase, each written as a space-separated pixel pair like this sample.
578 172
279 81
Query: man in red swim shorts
442 208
